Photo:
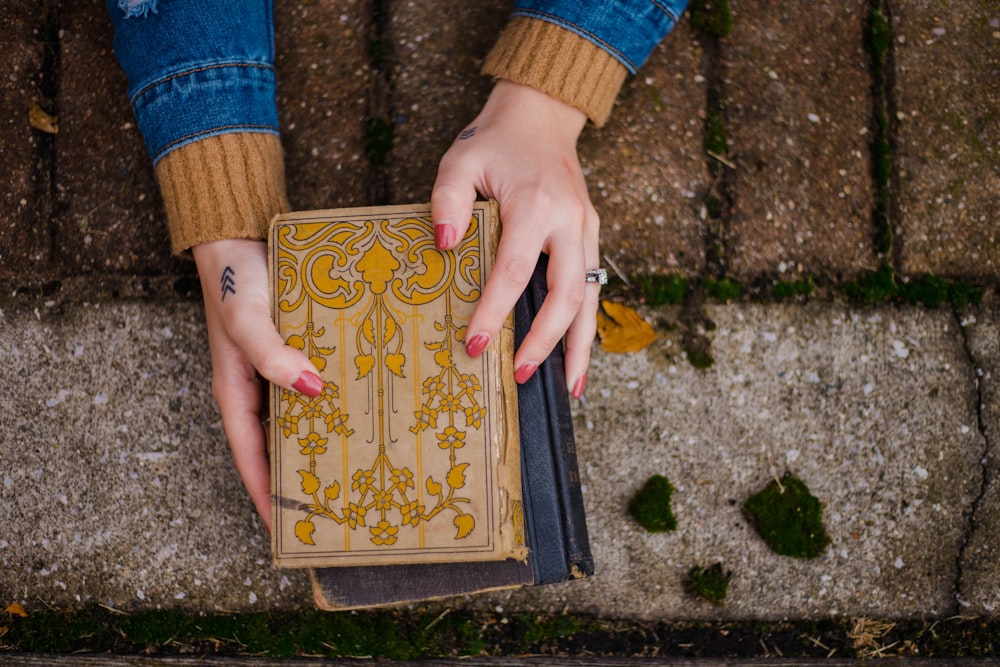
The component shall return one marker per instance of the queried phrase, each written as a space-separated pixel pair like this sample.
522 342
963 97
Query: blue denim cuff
197 68
627 29
206 101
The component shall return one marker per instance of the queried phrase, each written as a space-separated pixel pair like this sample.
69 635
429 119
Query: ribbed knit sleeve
227 186
558 62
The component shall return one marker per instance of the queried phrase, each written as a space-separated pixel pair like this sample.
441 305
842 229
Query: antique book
411 453
555 527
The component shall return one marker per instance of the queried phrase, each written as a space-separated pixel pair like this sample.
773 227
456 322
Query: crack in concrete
379 125
971 515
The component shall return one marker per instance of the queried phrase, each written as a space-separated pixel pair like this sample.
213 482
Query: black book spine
553 499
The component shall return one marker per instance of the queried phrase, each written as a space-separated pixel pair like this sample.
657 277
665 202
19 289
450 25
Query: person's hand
521 151
243 343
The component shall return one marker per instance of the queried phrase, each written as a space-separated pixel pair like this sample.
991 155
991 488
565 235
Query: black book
555 528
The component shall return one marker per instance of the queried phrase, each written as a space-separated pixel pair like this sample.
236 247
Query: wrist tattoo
228 282
468 134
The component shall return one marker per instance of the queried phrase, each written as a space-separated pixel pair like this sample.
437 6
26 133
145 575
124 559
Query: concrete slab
979 590
108 212
324 95
436 85
874 409
117 486
797 111
25 197
646 168
948 151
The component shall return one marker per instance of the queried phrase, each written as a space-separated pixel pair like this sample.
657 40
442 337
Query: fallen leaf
41 120
17 610
622 329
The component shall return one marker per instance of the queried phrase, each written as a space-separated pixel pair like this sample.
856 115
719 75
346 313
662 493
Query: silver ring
599 276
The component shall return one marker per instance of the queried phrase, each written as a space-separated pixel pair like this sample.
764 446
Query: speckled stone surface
436 85
117 486
646 168
23 240
979 587
797 113
324 83
948 151
107 214
875 410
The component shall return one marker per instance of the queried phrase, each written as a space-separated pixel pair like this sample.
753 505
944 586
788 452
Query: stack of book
419 472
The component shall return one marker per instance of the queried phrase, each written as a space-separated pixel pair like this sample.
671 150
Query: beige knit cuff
558 62
222 187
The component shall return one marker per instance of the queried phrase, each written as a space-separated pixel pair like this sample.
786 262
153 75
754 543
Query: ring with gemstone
599 276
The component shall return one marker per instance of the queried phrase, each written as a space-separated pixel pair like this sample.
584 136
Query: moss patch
700 359
789 289
377 141
710 583
789 518
650 506
723 289
712 17
661 290
930 291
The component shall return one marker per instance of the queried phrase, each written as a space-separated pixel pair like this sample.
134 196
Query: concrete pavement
116 482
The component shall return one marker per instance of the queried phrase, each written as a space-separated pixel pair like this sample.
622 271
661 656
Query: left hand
243 341
521 151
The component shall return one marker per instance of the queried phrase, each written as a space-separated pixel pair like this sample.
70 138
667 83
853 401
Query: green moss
931 290
650 506
660 290
961 295
878 37
789 289
715 133
710 583
723 289
541 628
712 17
874 287
700 359
377 141
789 518
714 207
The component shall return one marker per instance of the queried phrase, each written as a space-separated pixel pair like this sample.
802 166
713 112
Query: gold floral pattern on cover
396 459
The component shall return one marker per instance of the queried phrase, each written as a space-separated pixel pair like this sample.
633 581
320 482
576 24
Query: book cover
411 453
555 527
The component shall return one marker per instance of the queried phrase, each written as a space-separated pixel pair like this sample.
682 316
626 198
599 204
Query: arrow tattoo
228 282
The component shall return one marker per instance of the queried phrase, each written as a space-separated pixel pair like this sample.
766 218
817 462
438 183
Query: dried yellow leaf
17 610
622 329
40 120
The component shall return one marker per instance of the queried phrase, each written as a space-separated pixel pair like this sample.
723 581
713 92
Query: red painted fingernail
524 373
444 236
476 345
581 384
309 384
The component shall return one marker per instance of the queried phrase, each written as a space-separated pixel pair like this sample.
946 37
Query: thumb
451 204
278 362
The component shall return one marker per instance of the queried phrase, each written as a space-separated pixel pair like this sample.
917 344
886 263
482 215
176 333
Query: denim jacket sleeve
196 68
627 29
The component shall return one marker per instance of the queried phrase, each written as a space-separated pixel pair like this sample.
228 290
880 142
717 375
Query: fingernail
524 373
476 346
444 235
579 386
309 384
